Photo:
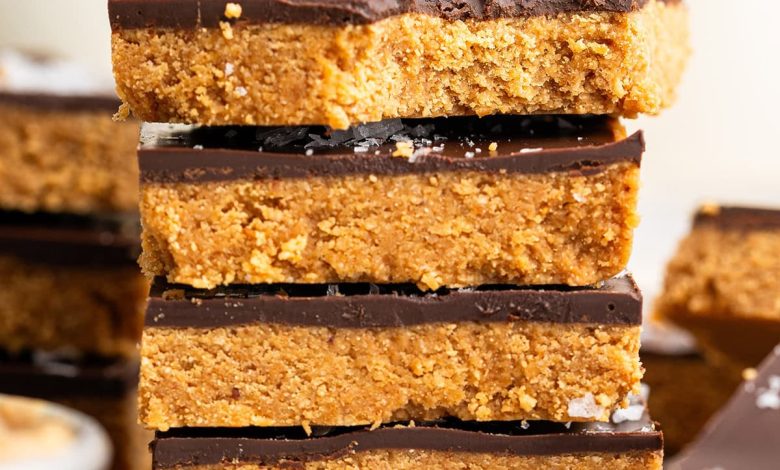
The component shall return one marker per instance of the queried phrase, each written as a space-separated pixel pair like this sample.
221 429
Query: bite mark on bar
618 302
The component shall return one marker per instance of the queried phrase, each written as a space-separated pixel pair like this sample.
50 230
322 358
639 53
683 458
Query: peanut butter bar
70 284
282 62
723 285
104 389
60 150
441 202
356 354
621 444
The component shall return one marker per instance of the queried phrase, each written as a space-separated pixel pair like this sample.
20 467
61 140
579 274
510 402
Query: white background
721 142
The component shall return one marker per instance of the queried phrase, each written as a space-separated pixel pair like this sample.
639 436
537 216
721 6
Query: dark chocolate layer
738 218
268 446
618 301
744 434
46 376
531 145
73 103
129 14
69 239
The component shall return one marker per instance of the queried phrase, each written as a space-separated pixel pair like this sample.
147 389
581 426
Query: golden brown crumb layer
92 310
119 417
724 286
685 391
449 229
66 161
275 375
408 459
411 65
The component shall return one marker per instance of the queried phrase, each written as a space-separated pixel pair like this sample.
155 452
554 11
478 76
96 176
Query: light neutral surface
717 143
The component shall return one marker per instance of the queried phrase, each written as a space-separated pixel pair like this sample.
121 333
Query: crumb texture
411 65
89 310
415 459
494 228
724 287
58 161
275 375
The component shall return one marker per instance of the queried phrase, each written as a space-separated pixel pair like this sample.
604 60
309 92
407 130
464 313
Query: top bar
288 63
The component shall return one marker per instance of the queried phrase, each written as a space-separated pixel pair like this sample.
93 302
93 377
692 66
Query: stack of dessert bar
353 269
72 301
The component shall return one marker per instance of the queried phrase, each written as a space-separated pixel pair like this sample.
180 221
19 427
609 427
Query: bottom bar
447 444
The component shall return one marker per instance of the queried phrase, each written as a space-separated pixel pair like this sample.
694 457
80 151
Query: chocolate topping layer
69 239
51 102
618 301
129 14
175 153
744 434
48 376
266 446
738 218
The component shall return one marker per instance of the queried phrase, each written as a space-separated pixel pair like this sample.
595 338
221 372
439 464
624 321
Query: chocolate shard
131 14
617 301
737 218
521 144
268 446
744 434
64 239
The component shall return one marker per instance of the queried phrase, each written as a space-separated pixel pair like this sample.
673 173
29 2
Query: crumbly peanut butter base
411 65
451 229
60 161
276 375
89 310
724 287
415 459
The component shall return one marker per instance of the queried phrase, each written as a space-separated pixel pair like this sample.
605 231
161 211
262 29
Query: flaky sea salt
632 413
769 398
585 407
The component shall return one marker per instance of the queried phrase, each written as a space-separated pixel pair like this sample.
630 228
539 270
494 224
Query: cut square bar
345 63
343 355
60 150
71 284
723 285
445 202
